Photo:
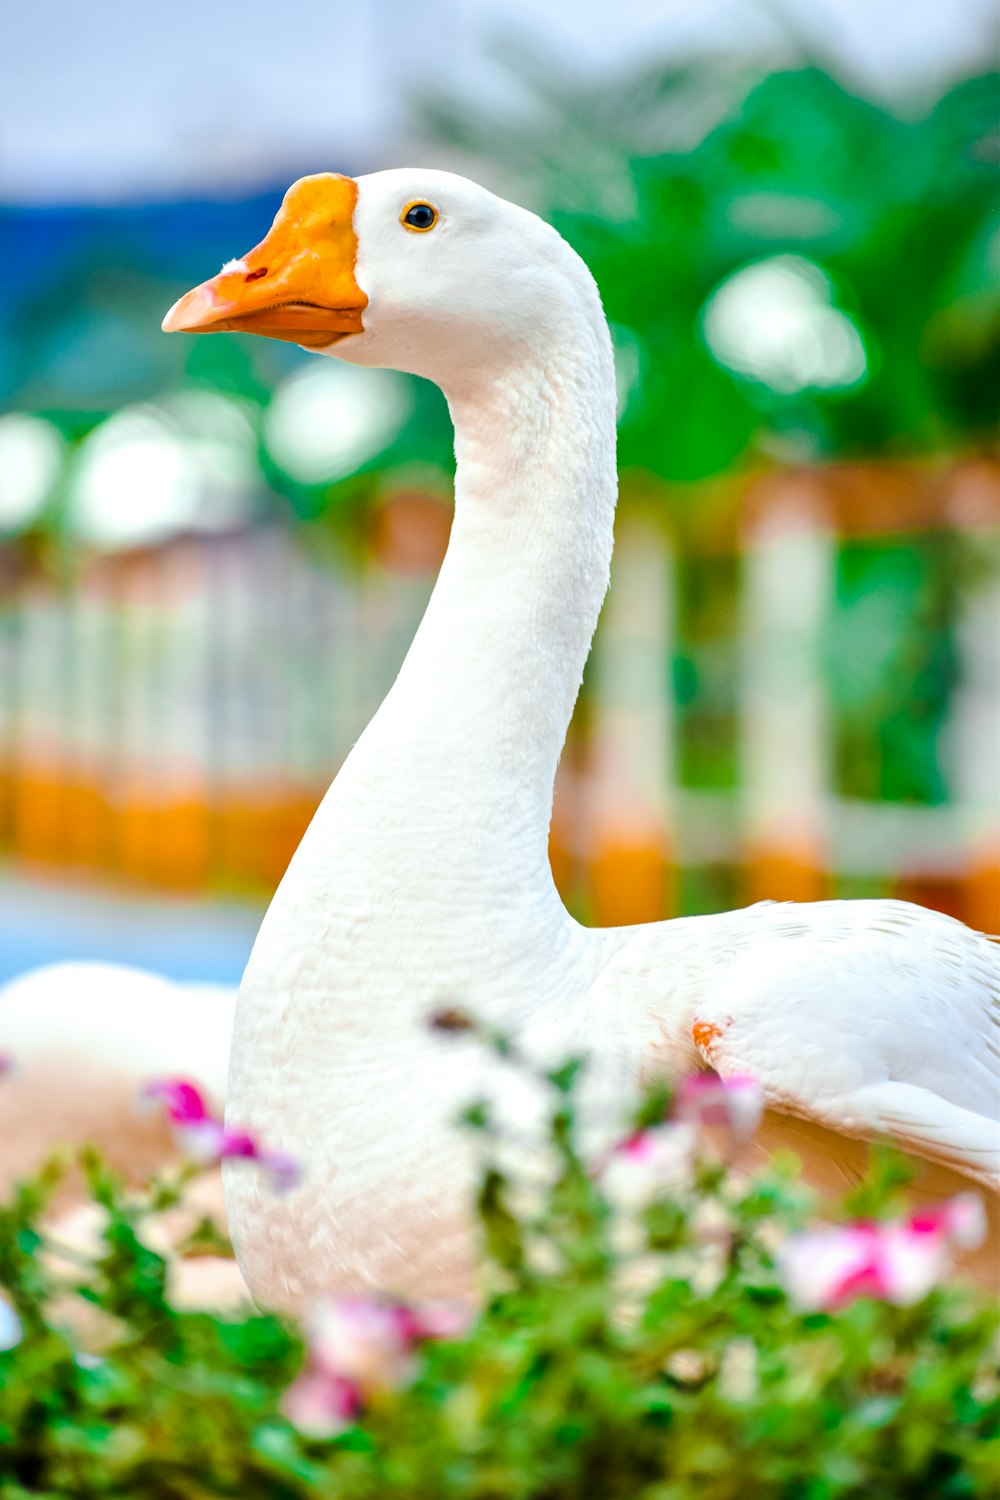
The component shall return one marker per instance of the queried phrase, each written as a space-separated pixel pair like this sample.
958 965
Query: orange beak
298 283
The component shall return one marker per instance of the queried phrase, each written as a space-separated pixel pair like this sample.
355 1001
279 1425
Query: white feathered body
423 881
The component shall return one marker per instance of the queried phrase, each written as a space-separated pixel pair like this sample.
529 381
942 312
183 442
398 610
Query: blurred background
214 552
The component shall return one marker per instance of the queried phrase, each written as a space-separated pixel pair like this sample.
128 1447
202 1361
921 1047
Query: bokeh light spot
31 454
325 422
150 472
775 322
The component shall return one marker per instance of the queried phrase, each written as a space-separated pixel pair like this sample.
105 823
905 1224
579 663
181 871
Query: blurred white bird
82 1039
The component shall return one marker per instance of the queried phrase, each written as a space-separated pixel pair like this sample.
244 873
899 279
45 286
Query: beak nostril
256 275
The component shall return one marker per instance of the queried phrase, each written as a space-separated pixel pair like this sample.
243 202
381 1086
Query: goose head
417 270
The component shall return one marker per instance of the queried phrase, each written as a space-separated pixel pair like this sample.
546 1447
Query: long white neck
424 878
424 874
459 762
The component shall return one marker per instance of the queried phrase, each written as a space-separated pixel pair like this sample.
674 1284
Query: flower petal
821 1268
647 1165
961 1219
441 1320
202 1140
735 1103
283 1170
184 1102
363 1341
911 1264
321 1405
234 1143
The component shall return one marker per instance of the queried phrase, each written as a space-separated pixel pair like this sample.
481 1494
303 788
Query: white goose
424 878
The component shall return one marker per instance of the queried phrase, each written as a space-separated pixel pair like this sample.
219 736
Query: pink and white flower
321 1405
734 1104
961 1219
660 1159
647 1165
899 1261
358 1348
205 1138
368 1343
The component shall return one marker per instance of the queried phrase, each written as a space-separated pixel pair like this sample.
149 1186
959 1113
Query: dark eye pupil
421 216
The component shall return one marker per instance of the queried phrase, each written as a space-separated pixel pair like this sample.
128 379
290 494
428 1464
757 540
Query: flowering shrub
658 1325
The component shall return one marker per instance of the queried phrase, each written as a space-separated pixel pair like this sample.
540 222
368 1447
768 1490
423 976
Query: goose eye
419 216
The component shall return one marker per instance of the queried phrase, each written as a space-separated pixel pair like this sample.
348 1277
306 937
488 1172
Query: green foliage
671 179
652 1359
891 662
176 1404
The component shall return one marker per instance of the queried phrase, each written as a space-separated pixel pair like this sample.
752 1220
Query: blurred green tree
671 181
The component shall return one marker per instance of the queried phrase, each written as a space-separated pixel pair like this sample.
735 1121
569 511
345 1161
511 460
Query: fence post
788 573
39 811
971 742
89 728
630 796
10 604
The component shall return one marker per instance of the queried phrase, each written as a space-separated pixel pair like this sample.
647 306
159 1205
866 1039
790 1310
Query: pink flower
961 1219
358 1348
899 1261
661 1158
205 1138
438 1320
7 1064
368 1343
734 1104
648 1164
184 1104
321 1405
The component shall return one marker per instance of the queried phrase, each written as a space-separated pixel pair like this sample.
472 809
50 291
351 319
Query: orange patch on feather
705 1035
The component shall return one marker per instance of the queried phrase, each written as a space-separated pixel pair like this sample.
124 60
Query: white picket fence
169 699
783 804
